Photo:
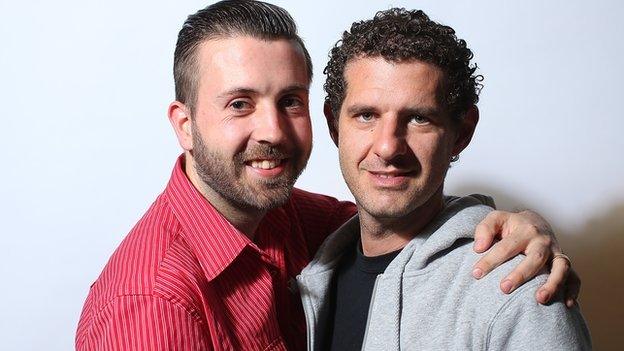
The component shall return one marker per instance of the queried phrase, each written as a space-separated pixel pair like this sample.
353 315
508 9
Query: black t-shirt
352 289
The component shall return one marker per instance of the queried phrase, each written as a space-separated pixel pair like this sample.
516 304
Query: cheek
302 129
230 137
353 148
432 149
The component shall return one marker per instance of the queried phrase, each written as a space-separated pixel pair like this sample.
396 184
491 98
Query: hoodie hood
459 217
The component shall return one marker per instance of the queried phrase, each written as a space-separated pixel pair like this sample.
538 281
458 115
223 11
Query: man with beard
211 265
400 106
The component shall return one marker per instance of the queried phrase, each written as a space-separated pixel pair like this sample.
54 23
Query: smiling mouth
265 164
391 180
385 176
389 175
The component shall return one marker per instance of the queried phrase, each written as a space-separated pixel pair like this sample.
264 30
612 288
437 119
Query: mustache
401 164
261 151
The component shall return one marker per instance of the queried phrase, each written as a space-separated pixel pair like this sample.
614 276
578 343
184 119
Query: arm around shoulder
143 322
523 324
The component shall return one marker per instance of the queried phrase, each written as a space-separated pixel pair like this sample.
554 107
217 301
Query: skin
395 144
249 136
538 251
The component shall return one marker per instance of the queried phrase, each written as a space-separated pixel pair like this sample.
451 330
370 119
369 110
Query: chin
275 198
387 211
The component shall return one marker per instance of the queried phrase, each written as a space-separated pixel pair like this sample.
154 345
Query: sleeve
143 322
524 324
320 215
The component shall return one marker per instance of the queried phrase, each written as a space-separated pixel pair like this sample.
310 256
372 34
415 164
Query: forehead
374 80
248 61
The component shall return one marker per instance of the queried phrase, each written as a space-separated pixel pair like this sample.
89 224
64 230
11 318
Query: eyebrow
250 91
426 111
359 108
237 91
295 88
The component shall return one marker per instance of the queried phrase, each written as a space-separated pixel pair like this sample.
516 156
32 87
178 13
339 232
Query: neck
245 220
383 235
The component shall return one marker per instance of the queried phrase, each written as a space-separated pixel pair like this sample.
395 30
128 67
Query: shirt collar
213 239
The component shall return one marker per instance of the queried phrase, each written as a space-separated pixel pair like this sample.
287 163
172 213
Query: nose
270 126
389 139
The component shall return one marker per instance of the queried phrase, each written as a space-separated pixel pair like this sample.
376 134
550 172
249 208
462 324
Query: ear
180 119
332 122
466 130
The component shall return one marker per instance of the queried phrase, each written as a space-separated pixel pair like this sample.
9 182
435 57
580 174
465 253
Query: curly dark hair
400 35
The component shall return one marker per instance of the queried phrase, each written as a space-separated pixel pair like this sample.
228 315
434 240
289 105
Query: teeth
265 164
385 176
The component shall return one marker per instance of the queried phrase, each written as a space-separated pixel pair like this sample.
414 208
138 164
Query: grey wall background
86 146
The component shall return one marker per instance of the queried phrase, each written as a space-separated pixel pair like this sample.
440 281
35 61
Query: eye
240 105
365 117
417 119
290 102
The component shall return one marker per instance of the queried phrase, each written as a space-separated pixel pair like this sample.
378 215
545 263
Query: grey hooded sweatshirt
427 298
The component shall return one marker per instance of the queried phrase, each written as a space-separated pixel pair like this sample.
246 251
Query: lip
268 173
390 179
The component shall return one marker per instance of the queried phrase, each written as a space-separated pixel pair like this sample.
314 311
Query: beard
227 176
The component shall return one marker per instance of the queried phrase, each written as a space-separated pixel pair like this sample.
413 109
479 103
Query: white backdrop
86 145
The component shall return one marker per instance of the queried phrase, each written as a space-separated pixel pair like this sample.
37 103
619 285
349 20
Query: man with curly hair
401 106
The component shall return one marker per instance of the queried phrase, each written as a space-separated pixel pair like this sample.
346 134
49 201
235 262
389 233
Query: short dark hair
227 19
399 35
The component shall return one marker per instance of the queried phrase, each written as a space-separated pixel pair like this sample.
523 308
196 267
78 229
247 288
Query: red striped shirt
185 279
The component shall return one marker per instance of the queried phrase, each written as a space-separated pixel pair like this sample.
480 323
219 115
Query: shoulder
306 200
459 260
142 322
318 215
448 276
152 255
516 320
134 264
520 322
321 209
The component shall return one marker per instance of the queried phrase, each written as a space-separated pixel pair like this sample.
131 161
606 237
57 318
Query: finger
488 229
529 267
573 284
558 273
498 254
